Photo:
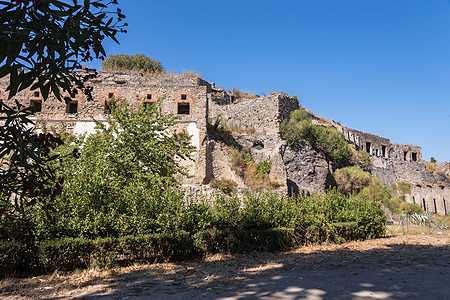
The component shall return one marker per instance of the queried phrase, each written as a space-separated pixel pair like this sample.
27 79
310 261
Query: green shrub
324 139
70 253
400 207
352 179
137 62
225 185
245 241
9 256
264 167
361 159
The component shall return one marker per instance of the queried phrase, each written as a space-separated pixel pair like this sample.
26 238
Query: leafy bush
324 139
400 207
401 189
225 185
71 253
264 167
245 241
361 159
137 62
352 179
122 179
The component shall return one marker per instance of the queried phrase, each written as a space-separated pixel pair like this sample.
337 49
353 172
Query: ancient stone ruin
254 124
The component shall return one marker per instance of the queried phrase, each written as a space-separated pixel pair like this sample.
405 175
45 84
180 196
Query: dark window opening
424 205
107 107
183 97
435 208
445 207
383 151
149 96
111 95
183 108
72 107
404 155
376 152
368 148
36 94
36 105
414 156
414 200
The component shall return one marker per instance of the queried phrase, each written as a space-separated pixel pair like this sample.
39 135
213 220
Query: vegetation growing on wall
224 185
255 175
353 180
137 62
326 140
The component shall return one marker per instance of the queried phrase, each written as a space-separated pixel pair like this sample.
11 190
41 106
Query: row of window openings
424 205
72 106
383 150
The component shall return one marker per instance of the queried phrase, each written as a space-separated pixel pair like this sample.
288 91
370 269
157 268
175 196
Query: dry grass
243 94
226 271
174 74
239 130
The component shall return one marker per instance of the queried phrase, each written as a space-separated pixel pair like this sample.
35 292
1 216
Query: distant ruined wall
434 198
261 115
406 152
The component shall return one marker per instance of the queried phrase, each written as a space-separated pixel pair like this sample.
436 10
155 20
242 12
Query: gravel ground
397 267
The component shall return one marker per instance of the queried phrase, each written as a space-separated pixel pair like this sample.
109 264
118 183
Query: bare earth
410 267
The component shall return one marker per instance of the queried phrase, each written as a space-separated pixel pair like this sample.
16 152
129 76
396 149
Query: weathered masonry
254 124
392 163
186 97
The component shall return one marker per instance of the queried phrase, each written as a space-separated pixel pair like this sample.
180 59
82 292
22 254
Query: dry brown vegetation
223 272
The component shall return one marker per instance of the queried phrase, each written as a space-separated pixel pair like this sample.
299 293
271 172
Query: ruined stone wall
434 198
406 152
373 144
412 172
306 169
186 97
383 169
261 115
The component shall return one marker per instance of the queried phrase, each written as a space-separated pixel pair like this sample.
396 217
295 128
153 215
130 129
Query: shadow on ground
377 269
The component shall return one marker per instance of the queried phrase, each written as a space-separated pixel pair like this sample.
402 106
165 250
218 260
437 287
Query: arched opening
72 103
184 101
106 98
148 98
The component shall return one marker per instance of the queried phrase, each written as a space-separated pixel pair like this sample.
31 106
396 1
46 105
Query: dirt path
412 267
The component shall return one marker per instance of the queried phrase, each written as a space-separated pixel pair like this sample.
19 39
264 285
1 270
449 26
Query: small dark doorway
435 208
383 151
72 107
405 153
414 156
424 204
368 147
183 109
36 105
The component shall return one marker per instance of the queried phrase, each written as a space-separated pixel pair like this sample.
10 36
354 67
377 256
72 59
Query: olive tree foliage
42 43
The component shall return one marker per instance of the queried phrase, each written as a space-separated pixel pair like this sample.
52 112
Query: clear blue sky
377 66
